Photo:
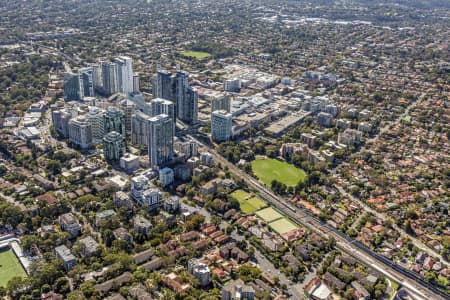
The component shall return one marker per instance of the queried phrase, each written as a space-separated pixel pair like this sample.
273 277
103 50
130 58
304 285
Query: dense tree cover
23 83
278 187
3 170
63 155
248 273
205 176
54 167
194 222
221 201
86 202
21 159
233 151
12 215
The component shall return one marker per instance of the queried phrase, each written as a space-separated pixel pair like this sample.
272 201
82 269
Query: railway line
411 281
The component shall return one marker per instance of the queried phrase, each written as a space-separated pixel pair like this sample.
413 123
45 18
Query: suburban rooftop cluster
224 150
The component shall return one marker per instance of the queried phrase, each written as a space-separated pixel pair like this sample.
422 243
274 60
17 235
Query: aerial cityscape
229 150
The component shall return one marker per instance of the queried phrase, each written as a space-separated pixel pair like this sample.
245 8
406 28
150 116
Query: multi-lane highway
421 290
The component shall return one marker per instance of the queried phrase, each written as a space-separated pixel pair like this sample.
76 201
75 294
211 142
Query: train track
411 281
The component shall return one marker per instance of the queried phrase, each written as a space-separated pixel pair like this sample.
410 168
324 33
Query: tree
10 214
122 261
411 214
216 220
408 228
233 203
430 277
290 189
76 295
120 246
250 251
3 170
28 241
278 187
380 289
349 294
166 236
190 193
54 167
229 229
351 232
62 285
272 152
242 244
247 168
299 187
16 285
45 288
140 274
108 237
194 222
377 97
259 148
248 273
87 288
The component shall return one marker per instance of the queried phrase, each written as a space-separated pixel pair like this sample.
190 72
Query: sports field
9 267
268 170
269 214
248 203
240 195
196 54
282 226
257 203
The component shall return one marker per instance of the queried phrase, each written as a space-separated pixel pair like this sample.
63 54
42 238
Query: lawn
247 203
246 207
283 225
256 202
196 54
268 170
9 267
394 284
269 214
240 195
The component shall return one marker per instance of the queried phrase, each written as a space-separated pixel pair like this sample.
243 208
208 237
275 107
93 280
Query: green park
9 266
269 214
196 54
282 225
247 202
267 170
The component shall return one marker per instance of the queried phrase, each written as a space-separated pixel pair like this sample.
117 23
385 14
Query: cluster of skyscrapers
106 78
88 126
79 85
150 125
176 88
153 127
